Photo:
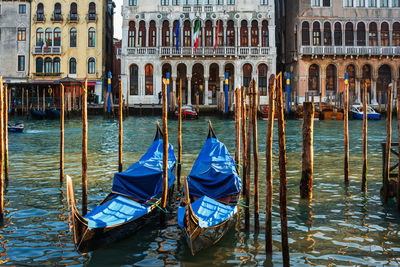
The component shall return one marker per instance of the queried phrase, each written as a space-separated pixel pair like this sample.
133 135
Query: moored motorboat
264 114
132 203
18 127
330 112
188 112
211 194
358 113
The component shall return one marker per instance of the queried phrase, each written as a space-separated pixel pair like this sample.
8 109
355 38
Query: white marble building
245 47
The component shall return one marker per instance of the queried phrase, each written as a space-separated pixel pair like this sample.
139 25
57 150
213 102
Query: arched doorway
262 79
331 80
351 71
213 83
382 84
366 80
313 79
181 77
247 70
230 69
166 68
197 83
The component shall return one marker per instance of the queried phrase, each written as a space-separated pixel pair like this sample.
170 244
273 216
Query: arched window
313 78
327 34
148 79
244 34
48 65
91 66
366 79
331 78
254 33
373 34
39 65
142 34
131 34
316 33
57 12
247 70
73 12
221 33
165 33
56 65
91 37
351 71
361 34
40 12
48 35
385 34
262 79
230 33
152 34
264 34
209 34
338 34
187 36
57 37
383 81
349 34
72 66
305 33
92 11
396 34
39 37
134 80
73 36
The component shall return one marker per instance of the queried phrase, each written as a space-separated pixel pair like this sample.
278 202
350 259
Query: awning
91 83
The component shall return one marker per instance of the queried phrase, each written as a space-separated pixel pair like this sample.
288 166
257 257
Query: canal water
341 226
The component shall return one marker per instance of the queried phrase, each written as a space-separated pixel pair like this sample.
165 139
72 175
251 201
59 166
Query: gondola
132 203
188 113
211 194
18 127
38 114
52 113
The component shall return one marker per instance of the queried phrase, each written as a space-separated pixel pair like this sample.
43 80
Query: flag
46 44
216 36
177 30
196 34
41 46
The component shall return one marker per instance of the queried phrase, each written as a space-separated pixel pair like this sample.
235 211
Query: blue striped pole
226 92
109 93
168 80
288 91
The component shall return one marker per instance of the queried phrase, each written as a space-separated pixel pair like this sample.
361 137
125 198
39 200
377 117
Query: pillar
171 33
373 90
224 36
174 84
358 90
189 94
206 91
249 34
271 36
147 34
221 80
259 34
203 36
237 37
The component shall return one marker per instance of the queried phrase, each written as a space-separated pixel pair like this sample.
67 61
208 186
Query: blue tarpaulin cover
143 180
209 211
214 173
116 211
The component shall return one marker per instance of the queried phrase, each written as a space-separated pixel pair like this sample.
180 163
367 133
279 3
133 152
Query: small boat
211 194
18 127
188 112
132 203
331 112
52 113
38 114
358 113
300 115
265 113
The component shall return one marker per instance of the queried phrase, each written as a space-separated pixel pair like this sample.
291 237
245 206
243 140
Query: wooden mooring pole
179 169
44 99
398 127
165 149
248 157
282 172
84 149
306 183
269 175
346 129
237 125
386 176
6 107
364 145
255 156
1 151
62 93
244 140
120 134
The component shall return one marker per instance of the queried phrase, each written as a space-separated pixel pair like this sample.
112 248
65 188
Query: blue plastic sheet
209 211
144 180
116 211
214 173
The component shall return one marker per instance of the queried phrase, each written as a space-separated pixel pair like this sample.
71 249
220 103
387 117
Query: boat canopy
214 172
144 180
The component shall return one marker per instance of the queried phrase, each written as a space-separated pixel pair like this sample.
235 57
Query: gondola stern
159 134
211 133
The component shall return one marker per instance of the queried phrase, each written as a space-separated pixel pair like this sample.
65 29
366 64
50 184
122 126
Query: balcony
349 50
51 50
91 17
56 17
39 17
142 51
47 74
73 17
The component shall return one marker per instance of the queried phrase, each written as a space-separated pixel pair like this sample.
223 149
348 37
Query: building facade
14 41
243 30
70 41
328 38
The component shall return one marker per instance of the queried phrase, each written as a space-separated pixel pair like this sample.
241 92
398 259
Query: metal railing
51 50
350 50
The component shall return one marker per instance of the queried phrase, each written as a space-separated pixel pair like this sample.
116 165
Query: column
206 91
221 80
147 34
259 34
249 35
322 36
358 90
237 36
171 34
373 89
203 36
379 35
136 35
181 35
158 37
189 94
271 36
355 35
224 37
174 84
390 35
366 35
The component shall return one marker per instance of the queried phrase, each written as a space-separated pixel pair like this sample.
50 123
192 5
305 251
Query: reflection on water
340 226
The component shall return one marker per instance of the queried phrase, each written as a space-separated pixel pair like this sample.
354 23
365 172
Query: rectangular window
133 2
396 3
22 9
371 3
176 2
219 2
384 3
164 2
21 63
360 3
348 3
231 2
315 3
326 3
21 34
264 2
